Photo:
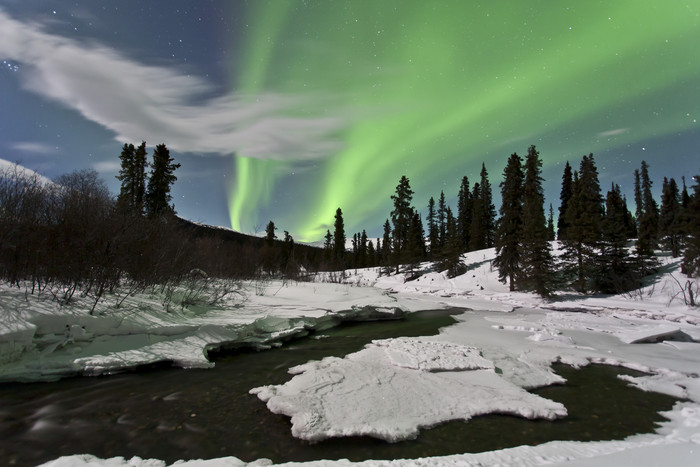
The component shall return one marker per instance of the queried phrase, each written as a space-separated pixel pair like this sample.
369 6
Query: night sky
286 110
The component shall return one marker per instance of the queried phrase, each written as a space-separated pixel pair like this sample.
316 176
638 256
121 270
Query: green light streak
253 185
255 178
430 89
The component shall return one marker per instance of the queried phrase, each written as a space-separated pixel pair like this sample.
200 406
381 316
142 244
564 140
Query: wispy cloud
615 132
108 167
145 102
33 147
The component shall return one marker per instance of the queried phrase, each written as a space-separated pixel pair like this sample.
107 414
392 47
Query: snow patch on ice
381 392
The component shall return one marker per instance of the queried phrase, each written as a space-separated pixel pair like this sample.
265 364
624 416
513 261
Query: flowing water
172 414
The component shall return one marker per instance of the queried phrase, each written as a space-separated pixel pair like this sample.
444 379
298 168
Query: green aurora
432 89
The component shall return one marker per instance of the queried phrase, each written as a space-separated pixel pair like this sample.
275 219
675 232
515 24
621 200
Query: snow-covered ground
395 387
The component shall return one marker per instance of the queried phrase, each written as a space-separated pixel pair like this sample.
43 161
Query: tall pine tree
127 177
159 183
433 234
584 214
648 223
508 250
691 255
477 234
671 217
401 217
615 272
464 214
564 197
537 263
339 240
489 210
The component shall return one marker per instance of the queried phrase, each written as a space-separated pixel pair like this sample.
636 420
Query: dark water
174 414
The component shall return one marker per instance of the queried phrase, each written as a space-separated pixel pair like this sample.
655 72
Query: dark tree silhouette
339 240
584 215
537 263
159 183
508 250
401 217
464 214
564 197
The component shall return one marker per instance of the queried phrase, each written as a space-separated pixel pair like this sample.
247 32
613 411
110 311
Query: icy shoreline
43 341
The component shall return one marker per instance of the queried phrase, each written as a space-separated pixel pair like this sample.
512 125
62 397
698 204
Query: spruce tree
670 217
401 217
638 202
564 197
464 214
551 234
489 210
508 251
268 253
287 260
386 246
355 255
477 236
615 272
140 164
339 240
537 263
433 234
685 198
451 254
363 253
584 215
691 255
328 248
127 177
630 224
415 248
648 223
159 183
441 220
270 235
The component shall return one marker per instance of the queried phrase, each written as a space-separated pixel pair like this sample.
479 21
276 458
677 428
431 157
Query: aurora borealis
330 102
430 89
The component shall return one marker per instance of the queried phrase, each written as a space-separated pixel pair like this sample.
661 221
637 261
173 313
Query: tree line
73 235
605 248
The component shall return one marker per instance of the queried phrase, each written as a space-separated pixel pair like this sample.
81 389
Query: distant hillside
311 254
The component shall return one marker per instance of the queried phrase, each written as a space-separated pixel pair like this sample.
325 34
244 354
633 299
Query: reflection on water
173 414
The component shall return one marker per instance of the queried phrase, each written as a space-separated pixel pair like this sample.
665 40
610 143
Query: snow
385 392
393 388
41 339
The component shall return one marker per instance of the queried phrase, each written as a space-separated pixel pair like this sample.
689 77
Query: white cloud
152 103
107 167
36 148
615 132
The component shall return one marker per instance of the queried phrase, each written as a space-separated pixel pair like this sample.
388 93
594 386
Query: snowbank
43 340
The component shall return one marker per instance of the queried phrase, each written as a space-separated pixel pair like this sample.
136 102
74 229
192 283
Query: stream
171 414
